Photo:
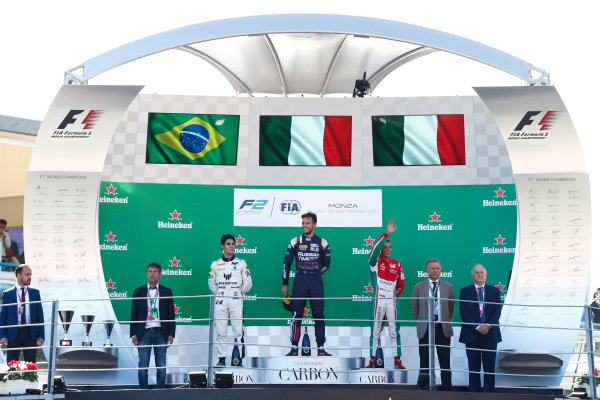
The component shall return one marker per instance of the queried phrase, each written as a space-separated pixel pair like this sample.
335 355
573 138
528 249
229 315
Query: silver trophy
108 327
87 326
65 318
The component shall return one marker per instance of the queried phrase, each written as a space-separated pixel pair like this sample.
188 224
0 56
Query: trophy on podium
108 327
65 318
87 326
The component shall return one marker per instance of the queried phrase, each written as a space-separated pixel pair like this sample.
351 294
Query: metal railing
53 321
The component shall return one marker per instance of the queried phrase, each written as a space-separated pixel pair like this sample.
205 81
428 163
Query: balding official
17 310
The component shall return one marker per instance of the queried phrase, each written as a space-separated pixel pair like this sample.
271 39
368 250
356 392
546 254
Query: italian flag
305 140
418 140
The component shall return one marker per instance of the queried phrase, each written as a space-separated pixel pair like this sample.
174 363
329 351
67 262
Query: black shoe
221 362
293 352
322 353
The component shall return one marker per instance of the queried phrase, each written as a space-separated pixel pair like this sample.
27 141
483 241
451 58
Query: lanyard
481 299
21 299
152 301
434 292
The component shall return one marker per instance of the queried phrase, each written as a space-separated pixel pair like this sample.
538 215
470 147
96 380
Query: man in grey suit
443 293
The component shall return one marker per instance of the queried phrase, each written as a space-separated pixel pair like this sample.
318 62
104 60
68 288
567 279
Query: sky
39 40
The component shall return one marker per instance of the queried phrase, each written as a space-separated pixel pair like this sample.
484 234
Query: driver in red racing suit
389 285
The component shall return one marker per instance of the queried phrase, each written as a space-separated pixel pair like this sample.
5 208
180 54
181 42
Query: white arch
418 41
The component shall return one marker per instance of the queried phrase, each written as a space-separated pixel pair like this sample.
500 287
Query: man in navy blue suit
481 332
21 312
156 328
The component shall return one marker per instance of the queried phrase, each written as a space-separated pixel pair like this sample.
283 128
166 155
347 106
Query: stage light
361 86
197 379
223 380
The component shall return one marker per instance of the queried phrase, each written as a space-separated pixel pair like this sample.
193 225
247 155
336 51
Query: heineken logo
444 274
368 288
115 295
434 224
368 242
499 199
356 250
500 286
111 237
178 318
498 241
110 195
175 269
177 272
174 222
243 250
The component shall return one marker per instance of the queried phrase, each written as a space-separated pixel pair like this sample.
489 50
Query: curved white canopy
305 53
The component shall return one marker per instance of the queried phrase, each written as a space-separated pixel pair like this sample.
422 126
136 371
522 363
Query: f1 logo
88 122
254 204
545 124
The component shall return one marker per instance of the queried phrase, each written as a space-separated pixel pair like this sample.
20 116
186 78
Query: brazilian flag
192 139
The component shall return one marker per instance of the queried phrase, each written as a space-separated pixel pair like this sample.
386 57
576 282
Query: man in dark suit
21 312
481 332
443 294
156 328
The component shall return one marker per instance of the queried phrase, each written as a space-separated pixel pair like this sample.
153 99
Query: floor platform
317 392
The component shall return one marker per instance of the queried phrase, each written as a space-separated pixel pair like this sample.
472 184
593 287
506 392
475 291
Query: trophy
108 327
65 318
87 326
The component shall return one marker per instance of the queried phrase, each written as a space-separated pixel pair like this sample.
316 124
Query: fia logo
88 122
545 122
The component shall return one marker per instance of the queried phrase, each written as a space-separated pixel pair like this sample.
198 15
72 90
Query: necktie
434 294
23 319
480 298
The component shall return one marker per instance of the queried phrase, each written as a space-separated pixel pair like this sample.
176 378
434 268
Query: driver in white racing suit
228 277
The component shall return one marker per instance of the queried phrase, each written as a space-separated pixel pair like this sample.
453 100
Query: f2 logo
545 124
88 122
254 204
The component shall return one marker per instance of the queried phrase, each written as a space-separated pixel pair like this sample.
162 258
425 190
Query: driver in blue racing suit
313 258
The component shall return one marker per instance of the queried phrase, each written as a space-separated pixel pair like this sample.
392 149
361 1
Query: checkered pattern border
487 159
